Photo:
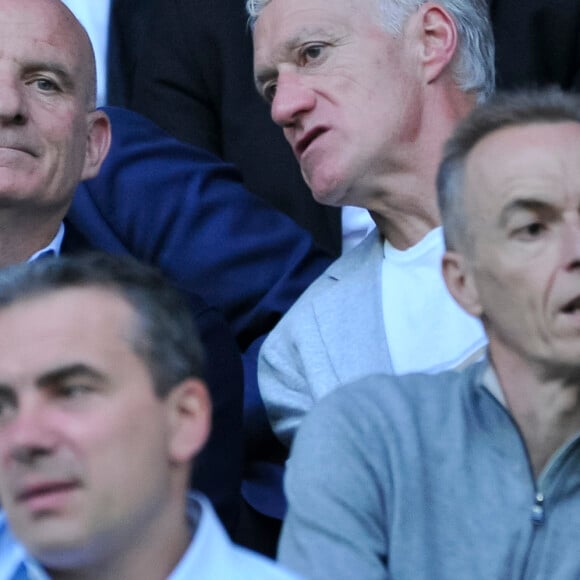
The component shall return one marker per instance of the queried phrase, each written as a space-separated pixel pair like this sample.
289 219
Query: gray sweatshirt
427 477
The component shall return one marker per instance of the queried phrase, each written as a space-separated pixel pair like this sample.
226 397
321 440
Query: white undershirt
427 331
94 16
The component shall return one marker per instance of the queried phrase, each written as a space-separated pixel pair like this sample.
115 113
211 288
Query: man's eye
73 391
269 92
531 230
311 52
46 85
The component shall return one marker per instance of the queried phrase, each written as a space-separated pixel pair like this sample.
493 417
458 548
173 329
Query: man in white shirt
102 409
366 94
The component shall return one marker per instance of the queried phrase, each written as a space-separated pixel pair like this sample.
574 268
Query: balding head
64 30
51 136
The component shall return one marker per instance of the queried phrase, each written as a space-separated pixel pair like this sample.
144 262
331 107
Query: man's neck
403 200
406 232
405 213
21 236
545 408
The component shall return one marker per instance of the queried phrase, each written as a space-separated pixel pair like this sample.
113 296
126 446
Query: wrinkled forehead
283 24
524 164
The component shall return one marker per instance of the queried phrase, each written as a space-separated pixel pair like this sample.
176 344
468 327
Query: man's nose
29 434
571 246
292 99
12 101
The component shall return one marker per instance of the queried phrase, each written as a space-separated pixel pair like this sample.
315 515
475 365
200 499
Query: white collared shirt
53 249
211 554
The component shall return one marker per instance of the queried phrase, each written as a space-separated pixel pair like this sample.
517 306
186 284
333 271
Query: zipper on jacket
548 474
538 515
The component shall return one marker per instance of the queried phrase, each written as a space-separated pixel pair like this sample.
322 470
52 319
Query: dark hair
164 335
504 110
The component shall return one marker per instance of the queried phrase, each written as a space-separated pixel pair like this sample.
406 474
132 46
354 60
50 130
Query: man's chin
327 191
52 539
63 553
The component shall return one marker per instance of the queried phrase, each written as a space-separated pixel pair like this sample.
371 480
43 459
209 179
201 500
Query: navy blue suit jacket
187 65
174 205
218 468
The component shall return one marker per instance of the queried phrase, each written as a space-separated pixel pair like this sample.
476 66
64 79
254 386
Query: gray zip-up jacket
427 477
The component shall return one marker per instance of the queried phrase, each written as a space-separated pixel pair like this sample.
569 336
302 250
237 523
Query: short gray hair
474 66
163 335
504 110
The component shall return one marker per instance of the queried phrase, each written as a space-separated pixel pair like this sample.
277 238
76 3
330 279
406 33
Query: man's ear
98 143
189 408
460 283
438 40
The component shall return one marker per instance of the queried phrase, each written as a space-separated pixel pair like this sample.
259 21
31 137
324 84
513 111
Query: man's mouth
16 145
572 307
307 140
13 154
43 496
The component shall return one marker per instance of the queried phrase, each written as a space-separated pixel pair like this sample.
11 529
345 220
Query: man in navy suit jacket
163 202
50 138
179 207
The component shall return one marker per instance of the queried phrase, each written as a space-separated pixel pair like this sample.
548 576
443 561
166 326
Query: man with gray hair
470 474
366 93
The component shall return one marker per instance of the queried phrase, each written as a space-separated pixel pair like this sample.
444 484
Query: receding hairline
517 125
252 20
489 139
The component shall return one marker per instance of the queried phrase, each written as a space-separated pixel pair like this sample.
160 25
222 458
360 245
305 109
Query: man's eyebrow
63 75
523 204
269 72
67 372
56 376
